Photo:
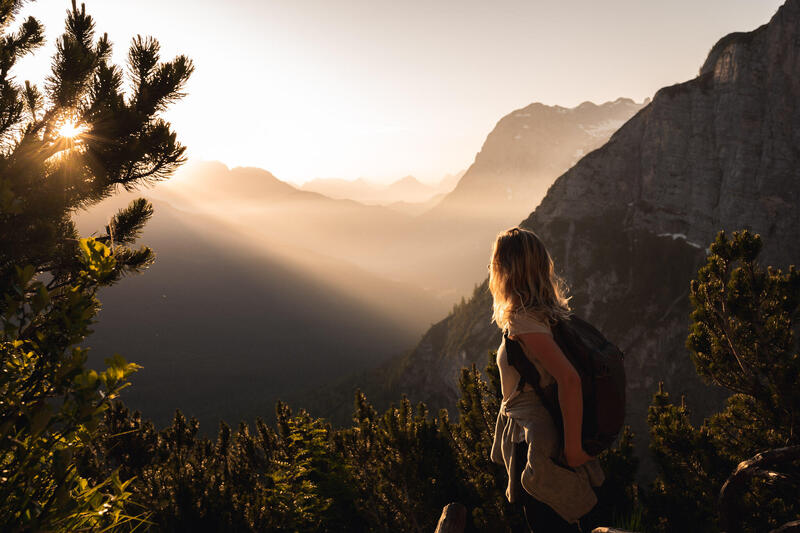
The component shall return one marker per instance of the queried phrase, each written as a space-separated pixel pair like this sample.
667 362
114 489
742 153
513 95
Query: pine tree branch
126 226
8 10
29 37
133 261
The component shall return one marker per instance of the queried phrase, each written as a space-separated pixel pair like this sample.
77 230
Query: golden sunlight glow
71 129
67 137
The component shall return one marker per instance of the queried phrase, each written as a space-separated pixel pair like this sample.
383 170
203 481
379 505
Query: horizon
381 91
299 184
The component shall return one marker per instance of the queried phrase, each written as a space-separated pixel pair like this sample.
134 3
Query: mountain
521 157
407 195
408 189
276 213
415 209
442 250
239 183
212 182
359 189
449 181
225 322
526 151
629 223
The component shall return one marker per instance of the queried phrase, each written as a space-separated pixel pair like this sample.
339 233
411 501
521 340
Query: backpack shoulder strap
528 373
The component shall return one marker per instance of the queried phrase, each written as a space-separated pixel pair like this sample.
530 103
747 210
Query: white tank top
518 324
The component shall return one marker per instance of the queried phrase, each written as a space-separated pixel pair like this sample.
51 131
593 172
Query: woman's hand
575 458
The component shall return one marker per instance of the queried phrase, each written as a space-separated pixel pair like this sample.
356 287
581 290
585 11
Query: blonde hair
522 278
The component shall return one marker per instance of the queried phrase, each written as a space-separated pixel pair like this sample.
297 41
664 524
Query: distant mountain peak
408 180
255 172
527 150
406 189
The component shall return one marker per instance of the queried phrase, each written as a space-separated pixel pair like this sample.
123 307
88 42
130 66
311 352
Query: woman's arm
570 395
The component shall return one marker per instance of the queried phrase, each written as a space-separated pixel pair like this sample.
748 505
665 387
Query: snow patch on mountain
602 129
683 237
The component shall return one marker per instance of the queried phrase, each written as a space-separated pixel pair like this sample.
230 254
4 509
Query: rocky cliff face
629 223
527 150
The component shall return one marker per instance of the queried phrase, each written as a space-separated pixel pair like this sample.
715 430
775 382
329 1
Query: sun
68 137
71 129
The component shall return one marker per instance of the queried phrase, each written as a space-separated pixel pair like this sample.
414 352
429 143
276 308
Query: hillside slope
225 324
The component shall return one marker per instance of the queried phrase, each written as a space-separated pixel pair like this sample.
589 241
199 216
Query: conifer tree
77 141
403 466
66 146
472 440
690 470
743 337
290 478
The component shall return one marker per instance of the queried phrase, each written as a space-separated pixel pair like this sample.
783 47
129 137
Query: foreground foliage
64 147
387 472
744 338
52 405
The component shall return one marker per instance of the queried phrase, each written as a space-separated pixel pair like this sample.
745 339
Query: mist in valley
262 289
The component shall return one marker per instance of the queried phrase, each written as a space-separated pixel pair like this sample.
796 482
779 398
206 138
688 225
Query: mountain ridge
407 189
554 130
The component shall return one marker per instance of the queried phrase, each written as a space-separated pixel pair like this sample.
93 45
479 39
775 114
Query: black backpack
600 366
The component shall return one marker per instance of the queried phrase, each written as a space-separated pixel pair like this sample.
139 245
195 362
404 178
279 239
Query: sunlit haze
381 89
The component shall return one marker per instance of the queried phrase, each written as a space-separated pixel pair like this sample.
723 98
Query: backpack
600 366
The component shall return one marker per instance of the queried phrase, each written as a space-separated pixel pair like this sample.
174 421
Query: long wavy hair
522 278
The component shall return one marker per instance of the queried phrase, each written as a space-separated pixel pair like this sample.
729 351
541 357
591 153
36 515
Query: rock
453 519
773 465
788 527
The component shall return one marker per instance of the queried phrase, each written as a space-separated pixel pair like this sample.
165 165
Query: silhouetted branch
760 465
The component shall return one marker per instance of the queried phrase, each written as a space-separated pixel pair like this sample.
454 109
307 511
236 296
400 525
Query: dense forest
73 457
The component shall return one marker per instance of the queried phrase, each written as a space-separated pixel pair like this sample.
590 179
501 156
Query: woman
553 484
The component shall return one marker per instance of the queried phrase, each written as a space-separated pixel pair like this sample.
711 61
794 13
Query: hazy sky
382 89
